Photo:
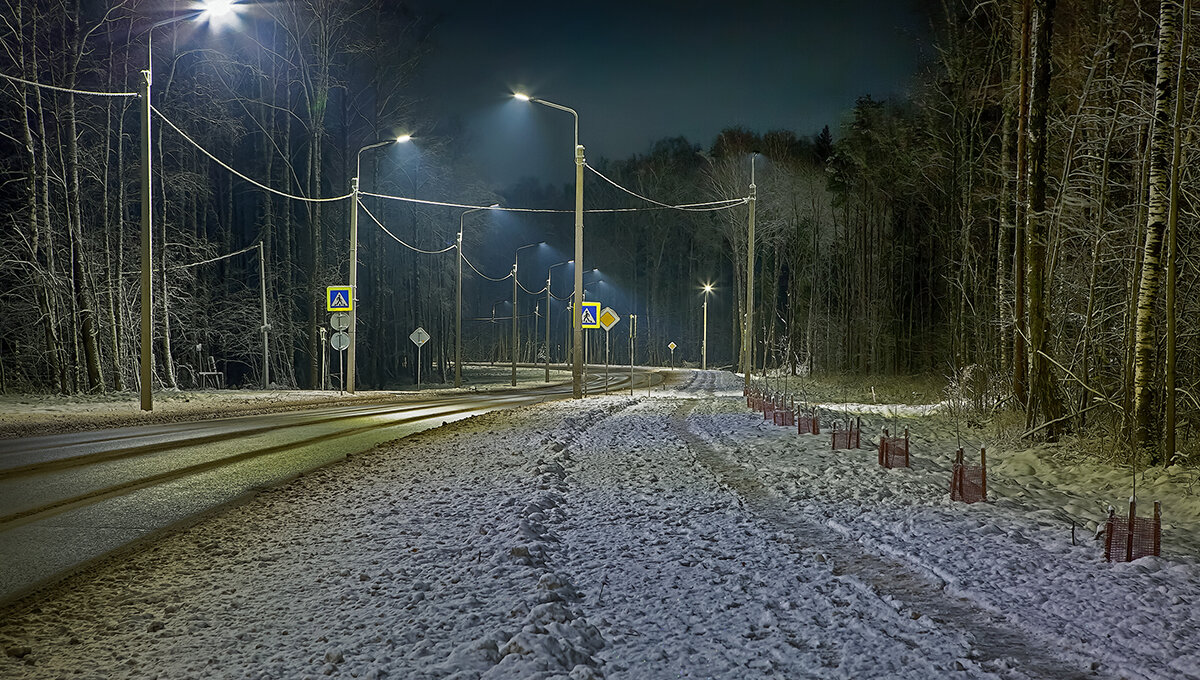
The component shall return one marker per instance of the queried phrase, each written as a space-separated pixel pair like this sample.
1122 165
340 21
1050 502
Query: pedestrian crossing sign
589 315
338 299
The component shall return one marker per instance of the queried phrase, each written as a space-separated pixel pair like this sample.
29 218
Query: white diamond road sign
672 346
608 319
419 337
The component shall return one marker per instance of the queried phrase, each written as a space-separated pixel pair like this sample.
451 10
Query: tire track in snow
997 641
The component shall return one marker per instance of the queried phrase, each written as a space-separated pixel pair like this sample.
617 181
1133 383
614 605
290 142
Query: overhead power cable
256 183
724 205
248 248
446 204
397 238
698 207
503 278
67 89
501 318
218 258
531 292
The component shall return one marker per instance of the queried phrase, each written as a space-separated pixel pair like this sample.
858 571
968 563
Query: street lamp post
262 288
548 271
577 296
458 296
214 9
748 326
499 335
514 305
704 341
351 353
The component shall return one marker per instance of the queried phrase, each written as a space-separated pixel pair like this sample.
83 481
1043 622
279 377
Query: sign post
672 346
324 360
340 299
589 317
608 319
419 338
340 341
632 336
338 321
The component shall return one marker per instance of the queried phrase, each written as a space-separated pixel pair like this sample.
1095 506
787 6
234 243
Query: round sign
340 321
339 340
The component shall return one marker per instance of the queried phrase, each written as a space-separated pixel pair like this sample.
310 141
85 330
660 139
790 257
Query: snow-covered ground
26 415
675 535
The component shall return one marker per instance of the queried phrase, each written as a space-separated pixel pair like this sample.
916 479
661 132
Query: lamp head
403 138
708 288
216 9
521 96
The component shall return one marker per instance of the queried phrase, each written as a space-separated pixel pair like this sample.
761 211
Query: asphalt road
68 500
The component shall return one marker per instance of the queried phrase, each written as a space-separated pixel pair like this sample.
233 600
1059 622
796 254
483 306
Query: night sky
640 71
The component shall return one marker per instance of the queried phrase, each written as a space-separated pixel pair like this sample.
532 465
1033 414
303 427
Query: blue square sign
589 316
339 299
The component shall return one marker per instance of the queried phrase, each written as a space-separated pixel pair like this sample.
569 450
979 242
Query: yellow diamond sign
608 319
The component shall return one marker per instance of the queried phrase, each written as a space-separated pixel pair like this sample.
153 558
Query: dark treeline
1012 223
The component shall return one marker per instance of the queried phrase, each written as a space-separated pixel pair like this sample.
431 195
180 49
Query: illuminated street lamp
350 355
146 370
577 296
458 306
514 303
704 341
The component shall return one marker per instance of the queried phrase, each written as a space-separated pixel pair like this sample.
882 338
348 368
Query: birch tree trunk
1168 448
1145 334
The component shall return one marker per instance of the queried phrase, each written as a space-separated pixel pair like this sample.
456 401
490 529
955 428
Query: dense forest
1022 222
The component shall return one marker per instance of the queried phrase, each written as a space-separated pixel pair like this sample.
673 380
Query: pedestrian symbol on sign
338 299
589 315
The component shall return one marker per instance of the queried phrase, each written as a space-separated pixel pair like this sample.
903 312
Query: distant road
68 499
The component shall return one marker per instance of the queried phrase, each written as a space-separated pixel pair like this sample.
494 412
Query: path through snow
661 537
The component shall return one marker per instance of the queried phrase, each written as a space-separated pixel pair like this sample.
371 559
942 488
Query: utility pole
146 369
748 327
514 324
262 288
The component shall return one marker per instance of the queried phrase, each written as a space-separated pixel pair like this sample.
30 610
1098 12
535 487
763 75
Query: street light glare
218 8
521 96
403 138
708 288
